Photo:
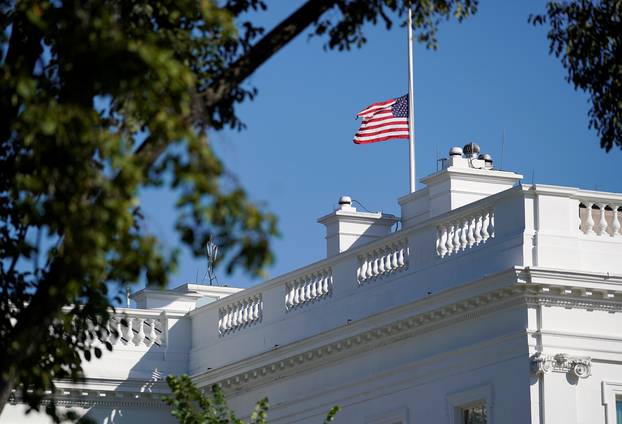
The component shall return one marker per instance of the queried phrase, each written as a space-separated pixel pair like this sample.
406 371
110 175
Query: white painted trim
611 390
469 397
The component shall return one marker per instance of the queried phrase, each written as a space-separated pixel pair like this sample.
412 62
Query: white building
492 298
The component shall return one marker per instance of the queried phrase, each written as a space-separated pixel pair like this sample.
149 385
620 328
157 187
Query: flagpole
411 103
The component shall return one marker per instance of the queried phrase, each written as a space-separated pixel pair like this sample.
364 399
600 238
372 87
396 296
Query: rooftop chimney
346 228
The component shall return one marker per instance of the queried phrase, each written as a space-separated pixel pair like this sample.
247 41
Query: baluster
443 242
387 261
320 284
314 292
589 220
106 334
394 264
236 315
300 292
491 223
327 283
602 222
250 308
471 235
375 266
119 328
359 270
253 311
289 298
478 230
129 332
463 234
457 231
293 300
370 267
450 240
308 289
152 332
615 224
439 234
400 259
230 317
295 293
364 269
485 219
225 319
248 311
381 268
140 335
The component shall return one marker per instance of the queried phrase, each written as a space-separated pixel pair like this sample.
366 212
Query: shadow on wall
150 348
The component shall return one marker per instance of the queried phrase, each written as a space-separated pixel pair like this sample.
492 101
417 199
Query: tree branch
283 33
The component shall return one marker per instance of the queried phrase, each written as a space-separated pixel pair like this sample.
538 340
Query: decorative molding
521 292
148 396
427 321
578 366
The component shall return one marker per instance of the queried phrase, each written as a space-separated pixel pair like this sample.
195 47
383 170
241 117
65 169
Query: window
471 406
612 400
476 414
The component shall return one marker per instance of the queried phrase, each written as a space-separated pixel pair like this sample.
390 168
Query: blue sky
492 74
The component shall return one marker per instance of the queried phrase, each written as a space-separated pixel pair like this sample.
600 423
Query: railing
309 288
382 261
137 329
599 218
465 232
240 314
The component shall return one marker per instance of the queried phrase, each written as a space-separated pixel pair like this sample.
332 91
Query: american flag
383 121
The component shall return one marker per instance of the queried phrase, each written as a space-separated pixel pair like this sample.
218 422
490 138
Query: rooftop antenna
437 159
502 145
127 295
211 252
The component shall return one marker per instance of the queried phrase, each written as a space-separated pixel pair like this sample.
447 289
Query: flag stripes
383 121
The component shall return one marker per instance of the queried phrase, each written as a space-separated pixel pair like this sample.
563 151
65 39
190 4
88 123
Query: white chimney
346 228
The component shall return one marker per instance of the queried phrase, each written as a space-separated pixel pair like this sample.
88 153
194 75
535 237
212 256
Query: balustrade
599 218
309 288
240 314
465 232
384 260
137 330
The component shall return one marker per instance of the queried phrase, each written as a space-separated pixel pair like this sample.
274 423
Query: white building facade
493 302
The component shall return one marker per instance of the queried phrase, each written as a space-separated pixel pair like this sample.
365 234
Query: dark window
477 414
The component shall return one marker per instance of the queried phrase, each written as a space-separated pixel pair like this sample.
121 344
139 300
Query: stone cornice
263 368
361 342
105 392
